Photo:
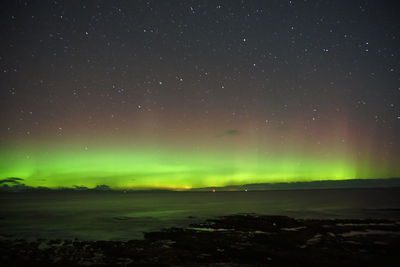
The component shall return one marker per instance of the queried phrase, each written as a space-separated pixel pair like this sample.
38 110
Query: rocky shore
236 240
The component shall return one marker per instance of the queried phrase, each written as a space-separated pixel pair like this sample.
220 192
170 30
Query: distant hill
326 184
14 184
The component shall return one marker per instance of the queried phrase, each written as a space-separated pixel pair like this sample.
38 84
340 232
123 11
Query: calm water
123 216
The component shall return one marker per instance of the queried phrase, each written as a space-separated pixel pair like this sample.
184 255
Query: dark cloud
13 180
230 132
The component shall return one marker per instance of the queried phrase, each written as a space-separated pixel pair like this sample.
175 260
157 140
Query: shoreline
228 240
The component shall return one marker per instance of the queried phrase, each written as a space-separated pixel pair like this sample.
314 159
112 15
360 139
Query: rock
236 240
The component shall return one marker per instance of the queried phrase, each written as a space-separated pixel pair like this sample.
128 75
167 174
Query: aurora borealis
184 94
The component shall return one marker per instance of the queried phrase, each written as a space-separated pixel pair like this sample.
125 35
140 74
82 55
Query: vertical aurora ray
218 161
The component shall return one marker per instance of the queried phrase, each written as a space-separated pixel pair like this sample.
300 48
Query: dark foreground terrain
235 240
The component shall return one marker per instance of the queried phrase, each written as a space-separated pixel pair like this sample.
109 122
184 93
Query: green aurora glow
155 167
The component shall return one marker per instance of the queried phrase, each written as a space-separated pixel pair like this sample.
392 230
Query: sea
127 215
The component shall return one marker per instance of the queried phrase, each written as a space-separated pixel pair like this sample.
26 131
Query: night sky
182 94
